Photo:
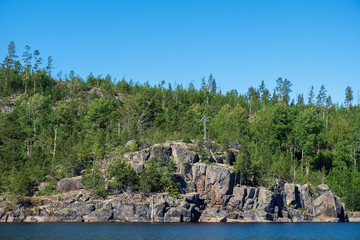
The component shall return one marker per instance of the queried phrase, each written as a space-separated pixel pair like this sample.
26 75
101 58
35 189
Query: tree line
62 126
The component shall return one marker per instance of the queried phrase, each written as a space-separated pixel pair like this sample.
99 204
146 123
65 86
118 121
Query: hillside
208 190
51 129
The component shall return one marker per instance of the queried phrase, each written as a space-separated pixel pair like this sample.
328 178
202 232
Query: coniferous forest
53 127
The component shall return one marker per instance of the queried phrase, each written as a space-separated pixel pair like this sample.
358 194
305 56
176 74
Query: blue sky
239 42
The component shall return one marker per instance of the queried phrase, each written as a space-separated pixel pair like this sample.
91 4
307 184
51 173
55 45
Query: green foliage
186 139
172 190
150 177
133 147
94 181
157 177
62 125
49 189
230 124
124 176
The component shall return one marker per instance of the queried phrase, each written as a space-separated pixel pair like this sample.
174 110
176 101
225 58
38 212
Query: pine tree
279 88
9 60
321 99
27 62
37 64
311 96
212 84
49 66
286 90
348 97
264 92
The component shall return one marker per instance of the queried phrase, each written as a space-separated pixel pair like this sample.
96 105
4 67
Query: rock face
354 216
213 183
209 193
70 184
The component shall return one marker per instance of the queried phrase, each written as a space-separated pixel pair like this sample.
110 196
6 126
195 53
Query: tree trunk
26 80
240 178
302 160
307 167
55 141
354 158
119 128
327 119
34 83
294 162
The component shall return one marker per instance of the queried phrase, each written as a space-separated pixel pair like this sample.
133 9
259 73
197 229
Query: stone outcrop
69 184
209 193
354 216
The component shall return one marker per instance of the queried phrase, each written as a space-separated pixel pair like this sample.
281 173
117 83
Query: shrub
93 180
124 175
187 139
49 189
133 147
172 189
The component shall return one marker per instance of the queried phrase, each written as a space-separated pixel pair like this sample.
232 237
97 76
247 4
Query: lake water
180 231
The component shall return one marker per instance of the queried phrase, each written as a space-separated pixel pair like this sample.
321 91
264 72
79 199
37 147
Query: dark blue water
179 231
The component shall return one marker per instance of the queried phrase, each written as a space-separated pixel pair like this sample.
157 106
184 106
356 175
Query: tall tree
49 66
27 62
279 88
286 90
300 99
321 99
212 84
9 60
203 84
348 97
283 89
264 92
328 105
37 64
311 96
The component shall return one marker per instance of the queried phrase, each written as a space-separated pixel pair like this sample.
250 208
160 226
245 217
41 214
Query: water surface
180 231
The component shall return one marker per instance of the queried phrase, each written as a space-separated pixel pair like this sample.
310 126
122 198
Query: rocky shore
209 192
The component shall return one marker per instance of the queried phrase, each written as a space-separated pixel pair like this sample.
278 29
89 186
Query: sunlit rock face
209 192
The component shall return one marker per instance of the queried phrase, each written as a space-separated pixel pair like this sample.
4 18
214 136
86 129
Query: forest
57 127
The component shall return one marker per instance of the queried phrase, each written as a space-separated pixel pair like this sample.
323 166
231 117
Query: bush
157 178
133 147
150 177
50 189
93 180
187 139
124 176
172 189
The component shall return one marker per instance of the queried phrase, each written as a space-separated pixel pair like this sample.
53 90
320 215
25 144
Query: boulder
257 216
101 215
325 207
296 215
354 217
172 215
69 184
213 215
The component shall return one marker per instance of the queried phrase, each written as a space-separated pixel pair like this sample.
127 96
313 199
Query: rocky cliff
209 193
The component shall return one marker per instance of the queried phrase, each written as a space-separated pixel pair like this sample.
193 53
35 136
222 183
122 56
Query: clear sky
239 42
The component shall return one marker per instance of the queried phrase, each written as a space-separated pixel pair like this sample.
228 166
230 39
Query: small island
102 150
